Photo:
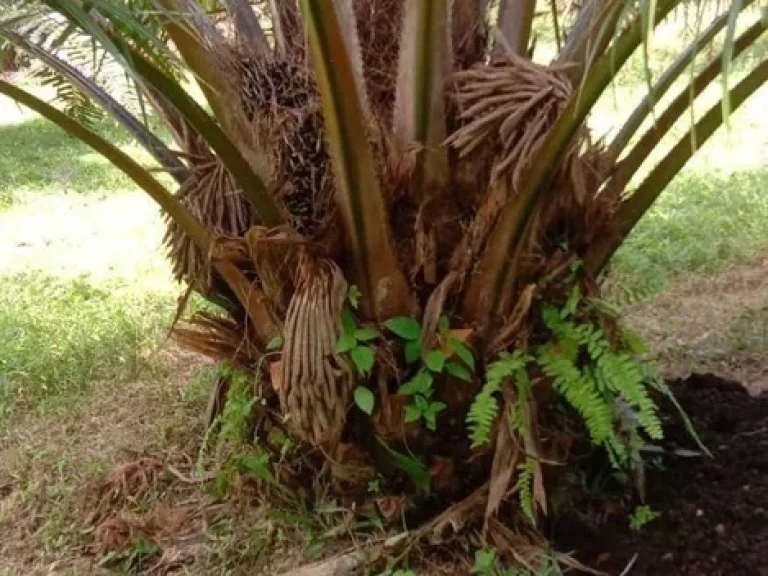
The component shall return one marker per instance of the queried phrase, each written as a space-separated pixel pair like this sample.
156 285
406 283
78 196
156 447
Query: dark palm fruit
281 95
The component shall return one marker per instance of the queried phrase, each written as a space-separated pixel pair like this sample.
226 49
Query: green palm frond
86 101
664 83
334 49
649 190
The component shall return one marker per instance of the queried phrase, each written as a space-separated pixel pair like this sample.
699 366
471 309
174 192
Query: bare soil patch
714 511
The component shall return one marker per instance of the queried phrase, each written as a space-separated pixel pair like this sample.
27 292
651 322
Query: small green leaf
424 383
348 322
415 470
462 351
430 414
458 371
364 399
435 361
345 343
442 324
419 384
641 516
421 403
362 356
275 344
405 327
485 562
437 407
412 413
573 302
412 351
367 334
353 295
407 389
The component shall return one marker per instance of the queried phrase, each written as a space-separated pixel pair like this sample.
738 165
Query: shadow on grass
39 157
702 222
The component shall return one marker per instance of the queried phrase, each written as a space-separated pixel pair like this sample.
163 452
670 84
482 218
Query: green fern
620 374
485 407
607 388
239 404
482 414
525 488
518 416
580 390
73 101
657 382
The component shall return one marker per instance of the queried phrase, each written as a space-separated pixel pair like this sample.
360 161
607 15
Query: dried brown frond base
213 198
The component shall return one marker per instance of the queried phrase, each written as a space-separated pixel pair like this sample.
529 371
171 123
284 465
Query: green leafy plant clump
606 383
641 516
429 365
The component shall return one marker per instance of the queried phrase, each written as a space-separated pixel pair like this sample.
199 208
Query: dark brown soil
714 511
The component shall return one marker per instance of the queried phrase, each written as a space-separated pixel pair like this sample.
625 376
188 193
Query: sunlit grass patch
60 336
85 295
38 158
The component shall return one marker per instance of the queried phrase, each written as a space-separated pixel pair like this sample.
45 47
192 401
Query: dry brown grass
51 463
715 324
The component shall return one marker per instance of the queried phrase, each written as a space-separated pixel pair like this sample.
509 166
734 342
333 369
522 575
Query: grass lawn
85 292
86 297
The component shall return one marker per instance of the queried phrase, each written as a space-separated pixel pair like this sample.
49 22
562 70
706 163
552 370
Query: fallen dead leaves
139 502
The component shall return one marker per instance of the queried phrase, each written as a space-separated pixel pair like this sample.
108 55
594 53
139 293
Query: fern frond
74 103
581 392
518 417
485 406
483 413
524 487
621 375
659 384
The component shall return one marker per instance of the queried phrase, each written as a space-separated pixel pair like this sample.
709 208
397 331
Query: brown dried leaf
505 460
391 507
457 516
276 374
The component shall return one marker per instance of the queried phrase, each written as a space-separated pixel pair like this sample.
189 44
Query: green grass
85 292
62 335
704 221
712 214
43 160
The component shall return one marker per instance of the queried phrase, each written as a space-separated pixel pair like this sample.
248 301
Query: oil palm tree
403 220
